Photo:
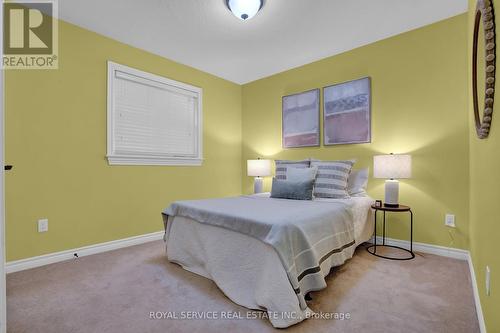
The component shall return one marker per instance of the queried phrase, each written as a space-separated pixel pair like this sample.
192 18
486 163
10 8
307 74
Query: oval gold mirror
483 67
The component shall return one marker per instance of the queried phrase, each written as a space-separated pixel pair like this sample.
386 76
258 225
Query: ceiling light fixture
244 9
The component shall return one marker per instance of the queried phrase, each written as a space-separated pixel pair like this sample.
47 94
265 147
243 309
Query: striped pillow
282 166
331 179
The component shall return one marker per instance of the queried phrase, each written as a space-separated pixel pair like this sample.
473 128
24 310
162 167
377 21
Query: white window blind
152 120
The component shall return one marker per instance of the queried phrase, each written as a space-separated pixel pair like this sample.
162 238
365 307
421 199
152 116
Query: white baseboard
444 252
20 265
475 289
427 248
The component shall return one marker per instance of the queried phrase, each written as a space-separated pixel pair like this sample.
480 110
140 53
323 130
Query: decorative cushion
331 179
286 189
283 165
301 174
357 182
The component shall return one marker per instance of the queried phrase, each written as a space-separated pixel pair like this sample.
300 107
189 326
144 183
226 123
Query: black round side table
398 209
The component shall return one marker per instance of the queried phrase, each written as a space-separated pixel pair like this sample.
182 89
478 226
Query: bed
250 269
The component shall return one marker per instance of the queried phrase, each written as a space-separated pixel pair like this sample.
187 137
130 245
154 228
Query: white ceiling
285 34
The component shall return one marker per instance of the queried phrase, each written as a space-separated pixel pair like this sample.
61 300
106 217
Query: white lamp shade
393 166
259 168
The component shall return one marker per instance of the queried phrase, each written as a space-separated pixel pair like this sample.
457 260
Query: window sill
153 160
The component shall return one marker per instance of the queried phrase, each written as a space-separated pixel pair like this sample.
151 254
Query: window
152 120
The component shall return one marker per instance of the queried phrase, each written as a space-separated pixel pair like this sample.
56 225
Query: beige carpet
116 291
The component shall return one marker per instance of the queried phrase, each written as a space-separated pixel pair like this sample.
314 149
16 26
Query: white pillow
301 174
358 181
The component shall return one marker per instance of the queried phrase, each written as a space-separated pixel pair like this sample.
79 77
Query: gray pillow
301 174
286 189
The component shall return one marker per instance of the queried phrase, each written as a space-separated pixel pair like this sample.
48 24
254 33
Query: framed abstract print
300 119
347 112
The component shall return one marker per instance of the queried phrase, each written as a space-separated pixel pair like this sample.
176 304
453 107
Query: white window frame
147 159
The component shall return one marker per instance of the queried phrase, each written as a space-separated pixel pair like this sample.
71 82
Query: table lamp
392 167
258 169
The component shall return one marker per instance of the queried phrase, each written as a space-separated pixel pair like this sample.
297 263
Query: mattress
247 270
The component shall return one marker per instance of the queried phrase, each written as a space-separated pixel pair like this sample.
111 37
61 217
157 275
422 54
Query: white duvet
246 269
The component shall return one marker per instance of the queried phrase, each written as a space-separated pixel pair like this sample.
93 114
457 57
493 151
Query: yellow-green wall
419 106
485 199
56 140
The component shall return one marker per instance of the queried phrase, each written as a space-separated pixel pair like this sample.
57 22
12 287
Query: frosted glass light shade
259 168
244 9
393 166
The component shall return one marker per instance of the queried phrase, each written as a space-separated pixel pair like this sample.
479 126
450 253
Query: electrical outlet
450 220
43 225
488 280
